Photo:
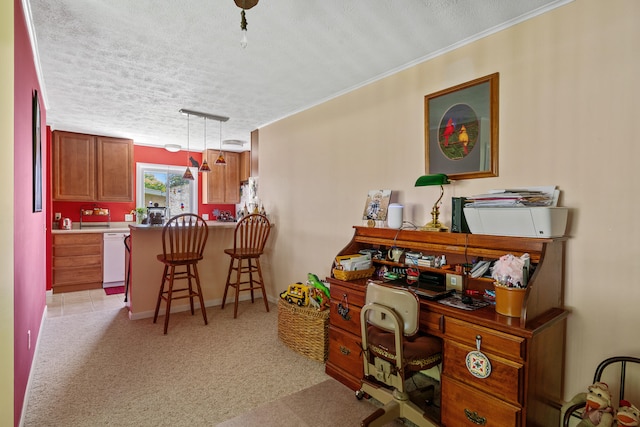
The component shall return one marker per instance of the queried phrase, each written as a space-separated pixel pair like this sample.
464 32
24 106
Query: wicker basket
304 330
353 275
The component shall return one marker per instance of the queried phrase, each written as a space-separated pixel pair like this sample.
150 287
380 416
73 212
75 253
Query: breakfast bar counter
146 270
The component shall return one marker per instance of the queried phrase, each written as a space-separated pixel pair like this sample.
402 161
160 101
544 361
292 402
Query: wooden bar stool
249 240
183 239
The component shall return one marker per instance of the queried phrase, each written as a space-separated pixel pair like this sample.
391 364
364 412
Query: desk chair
183 239
612 365
250 236
392 349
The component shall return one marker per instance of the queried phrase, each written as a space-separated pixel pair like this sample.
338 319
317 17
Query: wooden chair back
251 234
184 237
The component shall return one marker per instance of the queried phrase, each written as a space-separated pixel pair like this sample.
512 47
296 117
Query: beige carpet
329 403
102 369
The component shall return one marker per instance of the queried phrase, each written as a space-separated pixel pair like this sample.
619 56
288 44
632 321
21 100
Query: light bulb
243 40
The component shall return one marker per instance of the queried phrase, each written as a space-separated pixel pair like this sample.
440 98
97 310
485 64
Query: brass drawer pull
344 350
474 417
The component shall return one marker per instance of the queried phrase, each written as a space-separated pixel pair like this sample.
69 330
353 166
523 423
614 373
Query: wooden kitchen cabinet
77 261
222 184
524 387
91 168
245 166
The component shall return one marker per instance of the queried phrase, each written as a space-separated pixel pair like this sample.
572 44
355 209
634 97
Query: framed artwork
37 155
461 130
377 205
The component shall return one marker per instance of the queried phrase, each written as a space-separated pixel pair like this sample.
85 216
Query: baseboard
186 307
36 350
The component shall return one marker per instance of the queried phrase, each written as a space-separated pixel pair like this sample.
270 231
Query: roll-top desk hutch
526 353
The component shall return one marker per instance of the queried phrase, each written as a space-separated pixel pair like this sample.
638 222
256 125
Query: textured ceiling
125 67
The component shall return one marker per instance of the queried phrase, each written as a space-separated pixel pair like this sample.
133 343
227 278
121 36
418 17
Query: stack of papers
521 197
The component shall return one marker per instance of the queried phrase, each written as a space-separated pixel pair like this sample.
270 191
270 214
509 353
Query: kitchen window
164 185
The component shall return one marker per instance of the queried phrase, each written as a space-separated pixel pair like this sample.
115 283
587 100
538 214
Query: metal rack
84 216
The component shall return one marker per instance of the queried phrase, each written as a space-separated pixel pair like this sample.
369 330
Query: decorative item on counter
139 213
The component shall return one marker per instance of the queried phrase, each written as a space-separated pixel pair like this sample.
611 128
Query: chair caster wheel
359 394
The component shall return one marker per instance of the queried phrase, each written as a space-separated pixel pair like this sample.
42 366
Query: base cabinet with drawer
77 262
526 353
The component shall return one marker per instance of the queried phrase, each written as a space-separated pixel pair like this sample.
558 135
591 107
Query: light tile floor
82 302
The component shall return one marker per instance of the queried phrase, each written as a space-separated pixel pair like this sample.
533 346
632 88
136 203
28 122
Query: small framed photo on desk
376 207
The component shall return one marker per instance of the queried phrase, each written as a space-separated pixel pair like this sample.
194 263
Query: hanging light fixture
205 166
187 173
220 161
244 5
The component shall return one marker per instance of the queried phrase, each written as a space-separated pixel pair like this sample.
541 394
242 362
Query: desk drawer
353 297
341 318
345 351
465 406
503 382
430 322
499 343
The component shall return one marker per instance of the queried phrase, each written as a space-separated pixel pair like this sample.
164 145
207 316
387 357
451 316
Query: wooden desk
526 353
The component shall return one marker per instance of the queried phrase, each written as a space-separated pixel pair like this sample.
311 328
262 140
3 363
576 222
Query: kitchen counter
125 227
116 227
146 270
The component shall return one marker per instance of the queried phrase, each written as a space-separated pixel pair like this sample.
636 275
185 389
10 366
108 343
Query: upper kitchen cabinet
91 168
222 184
245 166
114 165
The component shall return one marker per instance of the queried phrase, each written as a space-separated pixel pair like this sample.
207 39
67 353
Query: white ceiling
125 67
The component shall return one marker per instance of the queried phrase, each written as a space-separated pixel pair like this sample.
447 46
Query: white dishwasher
114 260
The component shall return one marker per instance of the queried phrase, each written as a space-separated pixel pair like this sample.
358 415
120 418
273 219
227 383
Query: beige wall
568 103
6 210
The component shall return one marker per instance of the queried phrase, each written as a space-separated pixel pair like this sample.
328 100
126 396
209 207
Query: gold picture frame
461 129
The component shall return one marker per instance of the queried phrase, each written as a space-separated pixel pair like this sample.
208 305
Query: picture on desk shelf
377 205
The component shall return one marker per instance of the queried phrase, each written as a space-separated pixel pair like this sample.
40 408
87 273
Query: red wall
29 227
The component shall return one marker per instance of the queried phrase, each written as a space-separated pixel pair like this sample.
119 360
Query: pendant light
244 5
220 161
187 173
205 166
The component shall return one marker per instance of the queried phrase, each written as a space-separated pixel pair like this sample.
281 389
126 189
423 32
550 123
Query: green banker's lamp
434 179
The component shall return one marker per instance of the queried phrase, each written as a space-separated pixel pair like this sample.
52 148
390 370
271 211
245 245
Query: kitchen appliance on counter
114 260
156 214
64 224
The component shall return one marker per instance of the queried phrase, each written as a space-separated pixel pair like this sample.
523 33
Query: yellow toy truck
297 293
